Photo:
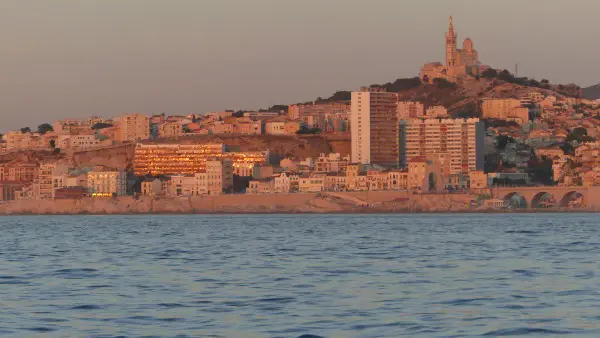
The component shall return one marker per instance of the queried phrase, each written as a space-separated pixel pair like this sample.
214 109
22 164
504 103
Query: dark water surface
292 275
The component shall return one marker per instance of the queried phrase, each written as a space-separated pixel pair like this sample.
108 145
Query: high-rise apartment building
374 127
134 127
461 139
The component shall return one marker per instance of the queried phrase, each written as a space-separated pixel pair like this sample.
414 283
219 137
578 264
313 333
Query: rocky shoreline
300 203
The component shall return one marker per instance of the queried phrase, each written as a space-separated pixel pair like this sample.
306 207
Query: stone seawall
347 202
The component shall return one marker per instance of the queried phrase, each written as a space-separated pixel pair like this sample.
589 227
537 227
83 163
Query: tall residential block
461 139
374 127
134 127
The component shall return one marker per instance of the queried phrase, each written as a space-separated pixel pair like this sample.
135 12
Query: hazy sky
75 58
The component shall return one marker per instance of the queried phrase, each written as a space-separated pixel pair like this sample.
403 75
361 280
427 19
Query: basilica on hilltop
459 62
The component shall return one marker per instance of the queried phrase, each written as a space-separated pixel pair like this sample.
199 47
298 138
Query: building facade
410 109
170 130
134 127
461 139
459 62
505 109
219 174
107 183
374 131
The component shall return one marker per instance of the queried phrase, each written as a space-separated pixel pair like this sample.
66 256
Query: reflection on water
300 275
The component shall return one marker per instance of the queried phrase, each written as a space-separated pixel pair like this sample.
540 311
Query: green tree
490 73
45 128
541 171
52 144
444 84
502 141
101 125
579 135
505 75
469 110
25 130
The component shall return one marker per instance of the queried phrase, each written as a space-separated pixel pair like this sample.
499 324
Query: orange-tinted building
175 158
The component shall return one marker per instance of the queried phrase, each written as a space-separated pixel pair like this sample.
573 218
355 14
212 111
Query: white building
107 183
331 163
275 127
47 184
219 176
374 131
282 183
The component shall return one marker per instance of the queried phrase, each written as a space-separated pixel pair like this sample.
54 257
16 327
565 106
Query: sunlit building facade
174 158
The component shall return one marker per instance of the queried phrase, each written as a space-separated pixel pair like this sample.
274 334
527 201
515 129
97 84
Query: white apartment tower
374 127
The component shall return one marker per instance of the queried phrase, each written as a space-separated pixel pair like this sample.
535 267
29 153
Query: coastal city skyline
311 169
65 65
487 138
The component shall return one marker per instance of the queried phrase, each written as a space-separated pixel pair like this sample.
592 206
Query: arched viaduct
562 195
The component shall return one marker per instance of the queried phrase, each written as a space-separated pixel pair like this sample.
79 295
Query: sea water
417 275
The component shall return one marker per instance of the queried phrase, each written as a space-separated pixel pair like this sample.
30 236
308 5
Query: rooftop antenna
516 70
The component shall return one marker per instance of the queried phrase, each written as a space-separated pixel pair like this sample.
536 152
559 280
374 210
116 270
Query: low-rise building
335 182
243 169
281 183
107 183
182 185
398 179
71 193
262 186
219 174
25 171
478 179
170 130
222 128
549 152
331 163
314 183
9 190
47 184
151 187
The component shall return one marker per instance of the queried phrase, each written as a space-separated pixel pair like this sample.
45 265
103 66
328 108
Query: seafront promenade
347 202
326 202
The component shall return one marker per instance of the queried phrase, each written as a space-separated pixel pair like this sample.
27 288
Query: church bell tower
450 46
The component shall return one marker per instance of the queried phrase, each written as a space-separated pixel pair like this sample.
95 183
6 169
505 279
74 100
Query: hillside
462 99
121 156
592 92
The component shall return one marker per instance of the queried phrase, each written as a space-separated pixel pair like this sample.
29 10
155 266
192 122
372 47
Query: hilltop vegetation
592 92
462 99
